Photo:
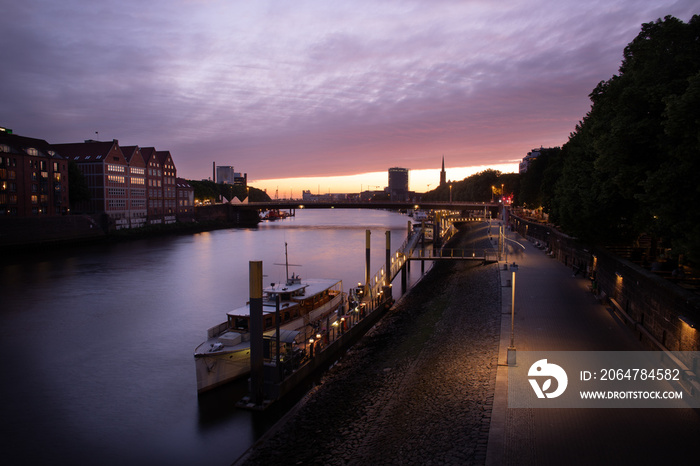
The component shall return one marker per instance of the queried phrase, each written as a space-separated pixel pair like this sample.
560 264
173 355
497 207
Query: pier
326 340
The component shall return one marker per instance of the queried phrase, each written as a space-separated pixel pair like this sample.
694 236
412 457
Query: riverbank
418 388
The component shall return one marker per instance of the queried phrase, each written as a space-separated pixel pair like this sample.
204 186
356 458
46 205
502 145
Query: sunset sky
305 93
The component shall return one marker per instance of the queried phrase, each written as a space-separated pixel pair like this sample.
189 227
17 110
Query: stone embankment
417 389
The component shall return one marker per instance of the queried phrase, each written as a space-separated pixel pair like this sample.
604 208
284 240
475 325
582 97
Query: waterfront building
169 173
185 200
33 177
137 186
107 174
398 184
154 186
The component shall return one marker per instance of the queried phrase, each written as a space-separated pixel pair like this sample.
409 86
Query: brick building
107 174
185 200
33 177
169 174
137 186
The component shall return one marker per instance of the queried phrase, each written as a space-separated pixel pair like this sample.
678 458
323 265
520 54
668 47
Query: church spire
443 175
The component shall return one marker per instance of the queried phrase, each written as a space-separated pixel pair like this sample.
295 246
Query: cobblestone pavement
417 389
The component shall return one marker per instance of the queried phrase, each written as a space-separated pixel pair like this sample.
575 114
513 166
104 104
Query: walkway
555 311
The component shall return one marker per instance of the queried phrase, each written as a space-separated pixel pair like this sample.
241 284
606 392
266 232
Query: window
35 199
32 151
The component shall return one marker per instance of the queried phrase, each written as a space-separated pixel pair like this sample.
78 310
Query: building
138 199
185 200
224 174
443 174
154 186
525 162
33 177
169 174
398 184
107 174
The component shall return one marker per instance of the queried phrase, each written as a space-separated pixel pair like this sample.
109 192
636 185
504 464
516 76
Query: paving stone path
417 389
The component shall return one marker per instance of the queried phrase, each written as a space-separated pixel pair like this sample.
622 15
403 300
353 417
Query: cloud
314 88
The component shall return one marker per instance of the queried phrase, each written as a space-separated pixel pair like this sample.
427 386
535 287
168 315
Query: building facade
33 177
137 186
525 162
169 174
107 174
398 184
185 200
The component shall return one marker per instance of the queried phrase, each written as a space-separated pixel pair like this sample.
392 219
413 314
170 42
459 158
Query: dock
370 302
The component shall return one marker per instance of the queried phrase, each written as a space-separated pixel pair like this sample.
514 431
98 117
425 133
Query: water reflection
96 344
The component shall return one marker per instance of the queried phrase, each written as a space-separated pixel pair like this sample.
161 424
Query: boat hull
214 370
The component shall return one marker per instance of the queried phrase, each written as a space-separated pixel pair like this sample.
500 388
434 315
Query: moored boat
303 306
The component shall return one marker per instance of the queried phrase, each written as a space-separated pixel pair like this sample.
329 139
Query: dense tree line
480 187
632 165
208 190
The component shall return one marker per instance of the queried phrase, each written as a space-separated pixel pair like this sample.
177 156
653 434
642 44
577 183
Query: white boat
303 304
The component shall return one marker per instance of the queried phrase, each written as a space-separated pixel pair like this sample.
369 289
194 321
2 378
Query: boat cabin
296 300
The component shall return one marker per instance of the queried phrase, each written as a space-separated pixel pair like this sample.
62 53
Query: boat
304 307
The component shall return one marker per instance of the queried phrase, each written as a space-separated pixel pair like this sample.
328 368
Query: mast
286 261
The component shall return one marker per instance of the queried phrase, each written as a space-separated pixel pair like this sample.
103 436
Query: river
96 343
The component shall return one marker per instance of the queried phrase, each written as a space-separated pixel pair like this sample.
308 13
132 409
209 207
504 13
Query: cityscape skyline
318 96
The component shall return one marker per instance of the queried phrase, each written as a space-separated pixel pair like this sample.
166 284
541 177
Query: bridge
392 205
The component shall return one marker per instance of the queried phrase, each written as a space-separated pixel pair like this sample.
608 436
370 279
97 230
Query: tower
443 175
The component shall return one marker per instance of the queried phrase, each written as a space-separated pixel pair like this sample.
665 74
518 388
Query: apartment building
185 200
33 177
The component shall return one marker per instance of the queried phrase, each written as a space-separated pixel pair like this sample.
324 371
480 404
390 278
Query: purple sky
283 89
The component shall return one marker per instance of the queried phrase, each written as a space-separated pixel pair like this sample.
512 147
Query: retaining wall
663 314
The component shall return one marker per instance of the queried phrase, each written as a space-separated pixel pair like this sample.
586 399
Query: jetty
272 376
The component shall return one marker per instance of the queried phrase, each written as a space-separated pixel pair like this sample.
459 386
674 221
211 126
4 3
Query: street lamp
511 348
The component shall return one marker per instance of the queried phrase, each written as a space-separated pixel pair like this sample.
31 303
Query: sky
320 95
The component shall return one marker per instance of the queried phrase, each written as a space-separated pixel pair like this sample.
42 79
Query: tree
635 141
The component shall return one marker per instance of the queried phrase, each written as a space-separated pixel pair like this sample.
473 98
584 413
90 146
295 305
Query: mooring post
367 272
404 278
387 277
256 332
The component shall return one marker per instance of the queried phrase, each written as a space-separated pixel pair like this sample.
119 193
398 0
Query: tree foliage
208 190
477 188
631 165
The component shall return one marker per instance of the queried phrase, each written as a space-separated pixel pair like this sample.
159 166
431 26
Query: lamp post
511 348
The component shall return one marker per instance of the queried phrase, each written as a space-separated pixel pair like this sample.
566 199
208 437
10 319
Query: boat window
268 322
286 316
242 323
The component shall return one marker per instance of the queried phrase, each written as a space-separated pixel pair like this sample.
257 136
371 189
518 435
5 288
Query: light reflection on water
96 345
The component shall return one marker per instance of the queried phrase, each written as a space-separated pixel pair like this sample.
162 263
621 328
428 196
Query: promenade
556 312
428 384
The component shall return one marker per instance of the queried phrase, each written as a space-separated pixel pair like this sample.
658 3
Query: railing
475 254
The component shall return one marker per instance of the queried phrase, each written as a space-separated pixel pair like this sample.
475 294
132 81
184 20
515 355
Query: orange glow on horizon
419 181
